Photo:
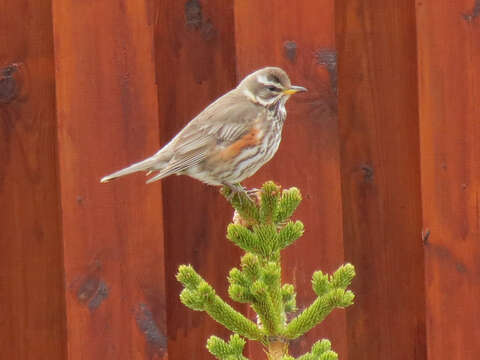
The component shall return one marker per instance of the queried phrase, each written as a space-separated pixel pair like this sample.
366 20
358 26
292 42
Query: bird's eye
273 88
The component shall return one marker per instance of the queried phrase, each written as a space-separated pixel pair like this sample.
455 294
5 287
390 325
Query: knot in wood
8 84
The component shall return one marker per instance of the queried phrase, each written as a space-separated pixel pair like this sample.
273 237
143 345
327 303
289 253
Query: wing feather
222 123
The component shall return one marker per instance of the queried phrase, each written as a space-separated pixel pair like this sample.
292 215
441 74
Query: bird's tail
150 164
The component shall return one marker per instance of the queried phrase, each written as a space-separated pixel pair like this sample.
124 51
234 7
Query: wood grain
299 37
384 149
112 233
378 115
32 307
449 77
195 64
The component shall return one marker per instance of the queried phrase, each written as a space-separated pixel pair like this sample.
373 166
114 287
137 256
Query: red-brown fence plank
449 77
378 116
32 309
195 64
299 37
112 233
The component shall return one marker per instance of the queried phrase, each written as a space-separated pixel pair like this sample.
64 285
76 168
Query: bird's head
267 86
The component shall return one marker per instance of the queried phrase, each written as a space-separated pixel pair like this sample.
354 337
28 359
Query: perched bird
230 139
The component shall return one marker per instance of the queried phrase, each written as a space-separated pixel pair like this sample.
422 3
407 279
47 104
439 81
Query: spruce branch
268 202
199 295
317 311
321 350
267 239
289 298
244 238
289 234
288 203
264 307
331 294
272 275
320 283
329 355
231 350
343 277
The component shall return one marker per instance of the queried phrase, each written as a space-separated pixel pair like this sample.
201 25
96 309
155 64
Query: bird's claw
239 189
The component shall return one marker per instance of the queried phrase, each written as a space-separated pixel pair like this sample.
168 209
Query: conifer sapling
262 228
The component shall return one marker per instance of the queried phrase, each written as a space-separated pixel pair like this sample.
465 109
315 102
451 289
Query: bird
230 139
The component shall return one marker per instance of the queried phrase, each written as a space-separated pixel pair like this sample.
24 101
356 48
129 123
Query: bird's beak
294 89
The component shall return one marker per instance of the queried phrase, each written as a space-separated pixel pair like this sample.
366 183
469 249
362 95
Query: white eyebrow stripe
249 95
263 80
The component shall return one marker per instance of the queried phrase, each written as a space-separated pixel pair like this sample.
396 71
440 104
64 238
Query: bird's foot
238 189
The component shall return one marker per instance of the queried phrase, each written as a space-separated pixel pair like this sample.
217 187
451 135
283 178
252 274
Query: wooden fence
389 169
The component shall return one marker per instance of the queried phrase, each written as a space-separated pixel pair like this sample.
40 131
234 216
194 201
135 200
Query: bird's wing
222 123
